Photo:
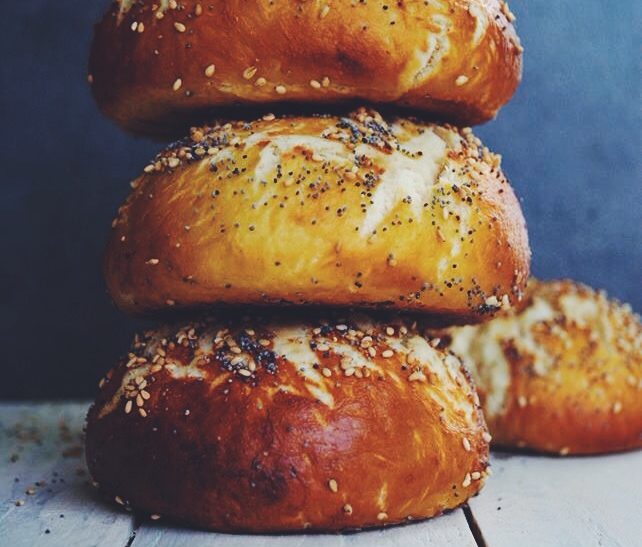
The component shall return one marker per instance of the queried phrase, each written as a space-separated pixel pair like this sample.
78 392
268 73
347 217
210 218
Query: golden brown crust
564 375
158 67
322 210
281 425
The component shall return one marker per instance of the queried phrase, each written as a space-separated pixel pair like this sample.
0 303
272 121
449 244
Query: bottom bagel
278 424
562 375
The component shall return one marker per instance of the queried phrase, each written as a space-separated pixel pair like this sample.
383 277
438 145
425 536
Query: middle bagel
340 211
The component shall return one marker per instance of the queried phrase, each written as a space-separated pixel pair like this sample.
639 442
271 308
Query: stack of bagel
313 243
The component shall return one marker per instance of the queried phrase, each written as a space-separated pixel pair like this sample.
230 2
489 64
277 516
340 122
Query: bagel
158 67
562 375
333 211
276 424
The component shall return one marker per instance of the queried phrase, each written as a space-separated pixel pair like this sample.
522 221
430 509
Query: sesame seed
280 89
260 82
487 437
475 475
269 117
564 451
198 10
180 27
325 82
326 372
617 407
119 500
245 372
315 84
323 347
142 412
152 261
249 72
492 301
128 406
387 353
30 491
264 342
466 444
372 351
178 83
522 401
417 376
461 80
210 70
134 26
342 327
382 516
141 27
467 480
332 484
155 516
349 372
324 11
390 331
347 508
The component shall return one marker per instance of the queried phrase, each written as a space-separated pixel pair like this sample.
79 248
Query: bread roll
157 67
346 211
563 375
274 424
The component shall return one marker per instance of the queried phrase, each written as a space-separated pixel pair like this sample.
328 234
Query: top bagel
158 67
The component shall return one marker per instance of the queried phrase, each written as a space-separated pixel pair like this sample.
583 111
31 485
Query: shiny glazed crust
158 67
563 375
280 425
322 210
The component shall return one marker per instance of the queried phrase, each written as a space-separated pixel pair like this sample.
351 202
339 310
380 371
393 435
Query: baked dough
351 211
281 424
157 67
562 375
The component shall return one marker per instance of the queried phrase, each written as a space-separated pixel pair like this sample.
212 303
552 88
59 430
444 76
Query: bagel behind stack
158 67
562 375
285 424
350 211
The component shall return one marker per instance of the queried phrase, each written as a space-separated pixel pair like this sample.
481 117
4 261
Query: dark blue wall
571 143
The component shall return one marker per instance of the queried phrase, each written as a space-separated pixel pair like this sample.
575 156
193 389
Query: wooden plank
42 444
537 501
447 530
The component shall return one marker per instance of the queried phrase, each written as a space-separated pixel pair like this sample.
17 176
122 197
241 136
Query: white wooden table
46 499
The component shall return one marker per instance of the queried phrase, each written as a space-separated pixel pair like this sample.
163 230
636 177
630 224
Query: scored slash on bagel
280 423
157 67
563 374
351 211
